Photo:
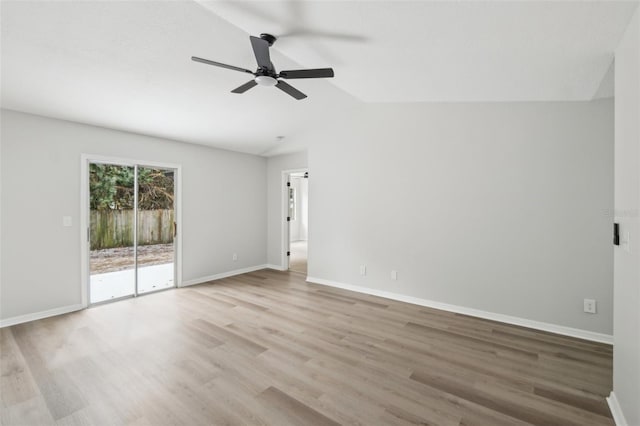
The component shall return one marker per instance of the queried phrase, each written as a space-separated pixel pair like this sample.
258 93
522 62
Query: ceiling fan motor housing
268 38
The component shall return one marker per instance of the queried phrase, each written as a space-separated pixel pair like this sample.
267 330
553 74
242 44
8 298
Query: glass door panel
155 229
111 234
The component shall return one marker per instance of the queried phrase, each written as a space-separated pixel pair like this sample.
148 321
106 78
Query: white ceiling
126 64
447 51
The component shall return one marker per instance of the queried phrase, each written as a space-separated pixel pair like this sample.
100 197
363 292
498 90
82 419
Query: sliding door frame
85 160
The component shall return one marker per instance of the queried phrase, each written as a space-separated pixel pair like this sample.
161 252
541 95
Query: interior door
112 260
298 194
290 205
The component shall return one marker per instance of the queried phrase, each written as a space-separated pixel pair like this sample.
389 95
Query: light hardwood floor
267 348
298 257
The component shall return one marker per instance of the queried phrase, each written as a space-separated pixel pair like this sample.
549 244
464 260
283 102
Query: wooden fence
114 228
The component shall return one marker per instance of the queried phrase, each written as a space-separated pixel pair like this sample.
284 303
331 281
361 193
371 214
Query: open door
298 224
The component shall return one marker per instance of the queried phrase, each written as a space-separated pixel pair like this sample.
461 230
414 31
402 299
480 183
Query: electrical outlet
394 275
235 256
590 306
363 269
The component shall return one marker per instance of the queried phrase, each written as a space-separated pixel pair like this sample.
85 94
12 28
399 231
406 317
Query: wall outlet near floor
394 275
363 269
590 306
235 256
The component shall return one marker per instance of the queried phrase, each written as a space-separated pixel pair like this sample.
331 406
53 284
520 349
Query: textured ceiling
126 64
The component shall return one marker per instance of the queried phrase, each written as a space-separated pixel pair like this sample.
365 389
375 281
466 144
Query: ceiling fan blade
221 65
290 90
261 50
314 73
248 85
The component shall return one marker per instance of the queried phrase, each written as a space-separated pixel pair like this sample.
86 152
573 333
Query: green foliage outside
112 188
111 199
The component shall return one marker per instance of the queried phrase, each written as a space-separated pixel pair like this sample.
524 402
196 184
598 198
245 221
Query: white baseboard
276 267
616 410
71 308
223 275
558 329
40 315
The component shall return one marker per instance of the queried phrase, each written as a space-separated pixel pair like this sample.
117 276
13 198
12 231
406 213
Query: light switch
66 221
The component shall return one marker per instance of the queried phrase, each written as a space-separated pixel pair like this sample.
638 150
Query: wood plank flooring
298 256
266 348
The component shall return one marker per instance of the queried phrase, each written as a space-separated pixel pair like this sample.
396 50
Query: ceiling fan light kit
265 80
266 74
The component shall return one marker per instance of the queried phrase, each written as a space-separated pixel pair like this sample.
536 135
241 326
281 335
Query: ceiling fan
266 74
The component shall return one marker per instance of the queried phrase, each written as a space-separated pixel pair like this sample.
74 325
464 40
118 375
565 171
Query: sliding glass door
132 230
112 260
156 229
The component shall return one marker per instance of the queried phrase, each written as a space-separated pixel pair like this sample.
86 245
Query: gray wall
499 207
626 329
223 204
275 166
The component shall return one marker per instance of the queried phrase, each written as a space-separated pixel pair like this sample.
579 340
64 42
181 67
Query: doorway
131 229
298 215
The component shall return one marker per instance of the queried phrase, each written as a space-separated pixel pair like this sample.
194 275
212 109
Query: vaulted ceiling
126 65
